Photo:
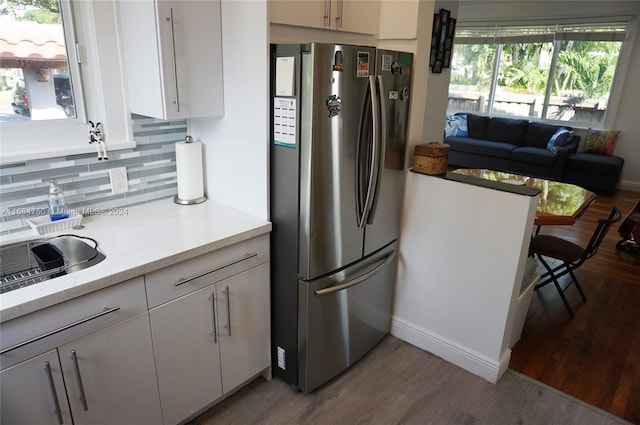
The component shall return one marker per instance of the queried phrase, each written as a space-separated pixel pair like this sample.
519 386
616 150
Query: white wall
628 105
463 250
236 145
626 120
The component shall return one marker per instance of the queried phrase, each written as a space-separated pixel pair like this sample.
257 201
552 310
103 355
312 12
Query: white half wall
463 250
236 145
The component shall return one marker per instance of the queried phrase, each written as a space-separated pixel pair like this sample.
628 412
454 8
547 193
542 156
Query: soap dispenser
57 202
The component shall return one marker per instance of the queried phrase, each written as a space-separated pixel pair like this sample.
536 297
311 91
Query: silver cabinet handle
64 328
212 298
173 57
327 13
340 9
83 397
228 295
47 367
183 280
358 279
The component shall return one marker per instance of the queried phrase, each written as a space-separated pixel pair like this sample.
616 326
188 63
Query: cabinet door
244 323
110 375
33 392
359 16
304 13
173 56
191 49
187 354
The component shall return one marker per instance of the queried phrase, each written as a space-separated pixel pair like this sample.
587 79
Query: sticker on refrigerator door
393 94
284 122
362 68
386 62
333 105
396 68
405 93
405 62
338 61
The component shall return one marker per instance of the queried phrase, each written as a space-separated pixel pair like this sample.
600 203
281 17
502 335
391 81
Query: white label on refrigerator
284 122
285 80
386 62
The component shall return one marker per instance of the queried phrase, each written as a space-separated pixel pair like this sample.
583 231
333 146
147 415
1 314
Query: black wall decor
444 27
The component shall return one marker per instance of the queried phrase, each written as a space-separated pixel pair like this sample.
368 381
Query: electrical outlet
281 362
119 180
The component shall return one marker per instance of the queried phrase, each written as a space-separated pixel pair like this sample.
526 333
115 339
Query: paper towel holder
179 201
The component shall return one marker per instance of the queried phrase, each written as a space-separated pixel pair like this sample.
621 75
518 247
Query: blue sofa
520 146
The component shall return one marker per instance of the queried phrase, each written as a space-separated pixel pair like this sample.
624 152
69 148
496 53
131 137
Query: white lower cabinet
187 356
210 341
110 375
151 350
107 377
245 330
109 333
33 392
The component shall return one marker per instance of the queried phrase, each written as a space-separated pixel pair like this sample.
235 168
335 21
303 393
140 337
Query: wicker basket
431 158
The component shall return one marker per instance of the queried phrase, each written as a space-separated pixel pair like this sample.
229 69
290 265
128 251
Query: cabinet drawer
45 329
175 281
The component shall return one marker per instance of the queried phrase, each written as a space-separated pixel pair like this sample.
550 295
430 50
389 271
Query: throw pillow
559 139
600 141
456 126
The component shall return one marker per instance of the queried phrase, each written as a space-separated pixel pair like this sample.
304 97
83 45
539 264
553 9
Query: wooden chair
570 254
630 231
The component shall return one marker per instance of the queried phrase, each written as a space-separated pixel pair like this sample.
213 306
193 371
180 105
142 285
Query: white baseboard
469 360
630 185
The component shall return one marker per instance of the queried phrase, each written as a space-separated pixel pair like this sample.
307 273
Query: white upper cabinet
358 16
173 57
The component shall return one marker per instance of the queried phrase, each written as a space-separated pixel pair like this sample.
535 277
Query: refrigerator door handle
360 141
356 280
382 148
375 154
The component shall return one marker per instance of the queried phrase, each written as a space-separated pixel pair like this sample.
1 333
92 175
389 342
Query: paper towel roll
189 170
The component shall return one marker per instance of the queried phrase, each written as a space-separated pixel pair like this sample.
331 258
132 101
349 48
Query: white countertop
142 239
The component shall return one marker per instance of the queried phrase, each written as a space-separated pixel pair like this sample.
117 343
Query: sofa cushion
538 134
534 156
507 130
477 126
560 138
480 147
456 125
600 142
595 163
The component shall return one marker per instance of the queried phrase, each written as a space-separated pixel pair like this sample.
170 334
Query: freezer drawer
343 316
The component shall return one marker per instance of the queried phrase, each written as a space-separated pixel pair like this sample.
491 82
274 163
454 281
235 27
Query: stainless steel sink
34 261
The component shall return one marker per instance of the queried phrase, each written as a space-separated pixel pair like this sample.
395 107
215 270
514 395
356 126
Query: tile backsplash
151 171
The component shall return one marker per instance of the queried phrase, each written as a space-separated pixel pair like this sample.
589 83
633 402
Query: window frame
98 85
617 84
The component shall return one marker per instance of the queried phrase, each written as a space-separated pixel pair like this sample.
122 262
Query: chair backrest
601 231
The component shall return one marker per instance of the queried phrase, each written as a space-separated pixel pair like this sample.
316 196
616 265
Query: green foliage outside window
580 82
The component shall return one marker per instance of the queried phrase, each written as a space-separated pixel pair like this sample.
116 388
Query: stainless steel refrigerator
339 124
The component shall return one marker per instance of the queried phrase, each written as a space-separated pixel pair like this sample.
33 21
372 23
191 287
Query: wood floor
397 383
596 356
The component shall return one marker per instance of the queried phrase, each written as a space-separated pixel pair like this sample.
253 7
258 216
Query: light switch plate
119 180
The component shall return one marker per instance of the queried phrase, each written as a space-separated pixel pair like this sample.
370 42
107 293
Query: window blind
616 31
